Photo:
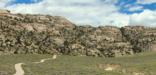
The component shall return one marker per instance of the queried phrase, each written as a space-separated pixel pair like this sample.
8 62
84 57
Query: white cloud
146 1
146 18
135 8
3 3
92 12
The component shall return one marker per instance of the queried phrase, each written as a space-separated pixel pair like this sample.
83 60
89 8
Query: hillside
45 34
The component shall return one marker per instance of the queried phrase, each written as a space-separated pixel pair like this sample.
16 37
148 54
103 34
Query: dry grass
139 64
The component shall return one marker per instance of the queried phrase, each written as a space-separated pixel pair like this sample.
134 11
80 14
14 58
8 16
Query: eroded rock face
44 34
101 41
142 38
32 33
2 12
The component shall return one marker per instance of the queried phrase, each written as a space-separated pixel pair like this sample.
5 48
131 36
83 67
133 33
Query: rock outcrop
45 34
142 38
3 12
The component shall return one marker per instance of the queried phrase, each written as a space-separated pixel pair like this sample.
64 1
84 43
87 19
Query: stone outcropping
45 34
142 38
2 12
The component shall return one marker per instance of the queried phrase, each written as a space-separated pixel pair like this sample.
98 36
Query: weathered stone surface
45 34
142 38
2 11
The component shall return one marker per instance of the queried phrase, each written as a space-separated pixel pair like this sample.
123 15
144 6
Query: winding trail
43 60
20 71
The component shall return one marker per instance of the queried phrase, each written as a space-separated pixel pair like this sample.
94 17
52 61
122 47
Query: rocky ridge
45 34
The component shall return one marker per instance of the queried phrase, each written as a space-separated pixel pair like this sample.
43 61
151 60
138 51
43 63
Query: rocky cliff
142 38
45 34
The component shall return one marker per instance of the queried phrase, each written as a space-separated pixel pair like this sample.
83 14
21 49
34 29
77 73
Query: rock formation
2 12
45 34
142 38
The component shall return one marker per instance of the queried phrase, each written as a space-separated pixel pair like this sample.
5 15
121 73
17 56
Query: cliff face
44 34
32 33
101 41
142 38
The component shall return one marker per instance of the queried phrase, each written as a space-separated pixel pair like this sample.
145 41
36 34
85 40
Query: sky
90 12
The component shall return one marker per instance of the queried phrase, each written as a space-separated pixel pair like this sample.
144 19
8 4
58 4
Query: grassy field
139 64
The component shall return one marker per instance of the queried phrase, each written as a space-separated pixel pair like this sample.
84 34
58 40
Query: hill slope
45 34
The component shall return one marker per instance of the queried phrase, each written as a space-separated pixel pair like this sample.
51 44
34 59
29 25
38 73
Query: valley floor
139 64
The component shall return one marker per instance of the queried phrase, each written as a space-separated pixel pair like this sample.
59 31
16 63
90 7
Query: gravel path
19 69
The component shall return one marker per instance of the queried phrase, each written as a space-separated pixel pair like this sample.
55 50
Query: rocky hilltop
45 34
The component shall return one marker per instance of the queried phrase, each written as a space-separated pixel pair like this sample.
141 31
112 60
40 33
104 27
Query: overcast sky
93 12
